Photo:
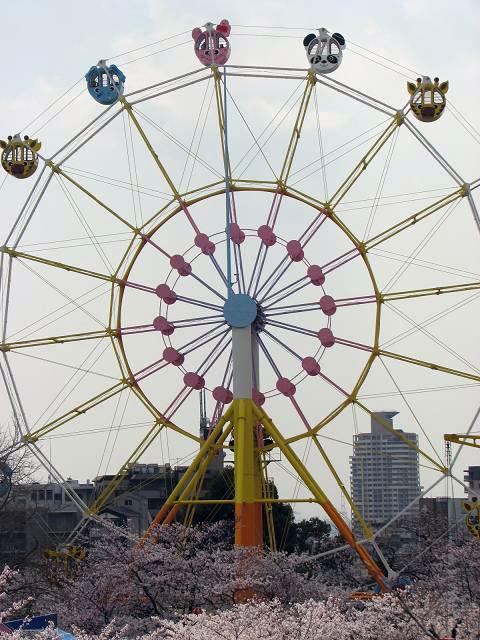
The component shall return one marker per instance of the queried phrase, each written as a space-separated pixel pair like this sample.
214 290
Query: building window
128 502
49 494
33 496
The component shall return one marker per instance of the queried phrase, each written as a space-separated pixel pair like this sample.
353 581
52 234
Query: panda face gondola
324 52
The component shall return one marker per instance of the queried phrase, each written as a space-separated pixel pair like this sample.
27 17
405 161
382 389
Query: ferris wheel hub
240 310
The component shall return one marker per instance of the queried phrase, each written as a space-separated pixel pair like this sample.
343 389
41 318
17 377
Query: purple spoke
316 224
201 344
237 250
197 231
255 264
285 346
192 274
191 322
160 364
291 327
176 403
217 356
197 324
292 308
199 303
271 220
268 356
289 293
267 279
292 284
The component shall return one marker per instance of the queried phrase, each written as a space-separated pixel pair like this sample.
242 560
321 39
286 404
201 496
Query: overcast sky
49 46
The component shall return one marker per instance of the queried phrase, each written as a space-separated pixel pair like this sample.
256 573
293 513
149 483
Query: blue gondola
105 84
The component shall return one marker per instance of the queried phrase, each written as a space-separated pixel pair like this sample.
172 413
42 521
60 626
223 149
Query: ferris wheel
175 246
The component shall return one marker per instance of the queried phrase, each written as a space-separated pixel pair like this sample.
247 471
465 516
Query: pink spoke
334 384
346 302
341 260
135 285
355 345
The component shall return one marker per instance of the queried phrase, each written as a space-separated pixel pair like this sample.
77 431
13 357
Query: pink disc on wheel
327 305
311 366
163 325
221 394
316 275
236 234
178 262
202 241
258 397
295 251
266 235
172 356
194 380
164 292
326 337
286 387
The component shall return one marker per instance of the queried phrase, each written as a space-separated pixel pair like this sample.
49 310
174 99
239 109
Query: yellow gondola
19 157
427 98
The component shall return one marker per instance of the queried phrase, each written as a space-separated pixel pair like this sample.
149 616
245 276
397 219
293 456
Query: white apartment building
384 471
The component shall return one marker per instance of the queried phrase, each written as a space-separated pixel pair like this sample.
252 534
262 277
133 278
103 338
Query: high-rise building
385 475
472 479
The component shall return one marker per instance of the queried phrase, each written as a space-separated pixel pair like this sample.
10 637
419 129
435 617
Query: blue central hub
240 310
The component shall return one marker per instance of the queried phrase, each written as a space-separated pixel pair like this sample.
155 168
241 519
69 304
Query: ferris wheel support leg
370 564
248 476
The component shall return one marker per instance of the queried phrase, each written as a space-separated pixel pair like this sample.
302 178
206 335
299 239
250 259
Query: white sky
52 44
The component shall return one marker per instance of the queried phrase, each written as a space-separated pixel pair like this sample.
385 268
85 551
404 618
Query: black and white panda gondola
324 51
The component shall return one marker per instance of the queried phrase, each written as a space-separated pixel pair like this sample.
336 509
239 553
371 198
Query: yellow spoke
56 169
104 395
468 440
430 291
355 174
58 265
297 129
71 337
395 432
150 148
428 365
414 218
117 479
158 416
